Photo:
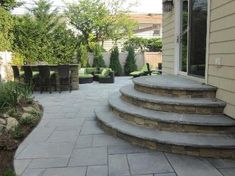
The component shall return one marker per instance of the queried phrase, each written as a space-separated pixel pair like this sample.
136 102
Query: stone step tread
199 102
169 117
172 82
216 141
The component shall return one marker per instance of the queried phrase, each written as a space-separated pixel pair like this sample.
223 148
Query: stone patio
67 142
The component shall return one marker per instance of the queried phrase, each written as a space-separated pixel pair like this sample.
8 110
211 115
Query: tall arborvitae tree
84 57
114 62
98 56
130 64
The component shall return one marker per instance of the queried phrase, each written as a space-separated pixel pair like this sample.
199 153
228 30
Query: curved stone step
169 121
208 145
173 86
172 104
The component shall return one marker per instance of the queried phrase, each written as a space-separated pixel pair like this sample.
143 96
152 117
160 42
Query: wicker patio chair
30 77
64 77
46 78
16 73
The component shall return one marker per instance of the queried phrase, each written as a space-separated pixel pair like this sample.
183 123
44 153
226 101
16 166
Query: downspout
176 34
208 40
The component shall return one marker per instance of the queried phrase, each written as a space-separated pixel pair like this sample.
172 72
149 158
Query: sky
143 6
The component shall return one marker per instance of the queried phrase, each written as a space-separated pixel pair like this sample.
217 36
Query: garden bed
19 114
27 119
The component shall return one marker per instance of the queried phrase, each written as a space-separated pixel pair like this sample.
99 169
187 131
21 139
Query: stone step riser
176 93
203 152
176 127
173 107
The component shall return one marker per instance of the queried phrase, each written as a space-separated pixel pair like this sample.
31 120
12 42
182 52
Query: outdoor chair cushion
85 75
82 71
105 72
135 73
90 70
142 71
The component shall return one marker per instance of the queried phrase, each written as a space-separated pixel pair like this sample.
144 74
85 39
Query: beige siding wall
168 42
221 59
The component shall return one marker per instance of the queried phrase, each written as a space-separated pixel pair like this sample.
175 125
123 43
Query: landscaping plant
42 35
84 58
19 114
103 19
130 64
114 62
13 94
98 56
143 44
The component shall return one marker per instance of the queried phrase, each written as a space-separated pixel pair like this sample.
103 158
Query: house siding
168 42
222 45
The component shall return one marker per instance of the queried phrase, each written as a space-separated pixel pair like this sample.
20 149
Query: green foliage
9 172
98 56
64 44
17 132
114 62
13 113
101 19
130 64
36 114
142 44
12 94
30 121
42 36
9 4
121 28
84 58
6 26
154 45
17 59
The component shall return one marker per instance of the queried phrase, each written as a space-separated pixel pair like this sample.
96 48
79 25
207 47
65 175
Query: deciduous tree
102 20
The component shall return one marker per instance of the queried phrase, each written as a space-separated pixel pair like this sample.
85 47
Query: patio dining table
74 73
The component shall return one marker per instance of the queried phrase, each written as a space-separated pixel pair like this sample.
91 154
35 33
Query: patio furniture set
146 70
48 77
90 74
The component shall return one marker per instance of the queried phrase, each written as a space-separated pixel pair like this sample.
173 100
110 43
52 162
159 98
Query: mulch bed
9 144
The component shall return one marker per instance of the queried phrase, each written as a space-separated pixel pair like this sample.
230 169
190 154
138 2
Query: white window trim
177 70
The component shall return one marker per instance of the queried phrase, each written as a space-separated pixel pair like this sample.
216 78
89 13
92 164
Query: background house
149 26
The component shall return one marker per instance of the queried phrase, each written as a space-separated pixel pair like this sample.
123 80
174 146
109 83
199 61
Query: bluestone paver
33 172
193 166
147 163
48 163
46 150
228 171
63 136
118 165
84 141
165 174
97 171
73 171
21 165
106 140
222 163
90 127
124 149
89 156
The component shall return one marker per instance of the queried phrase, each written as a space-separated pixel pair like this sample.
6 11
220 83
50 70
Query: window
156 32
